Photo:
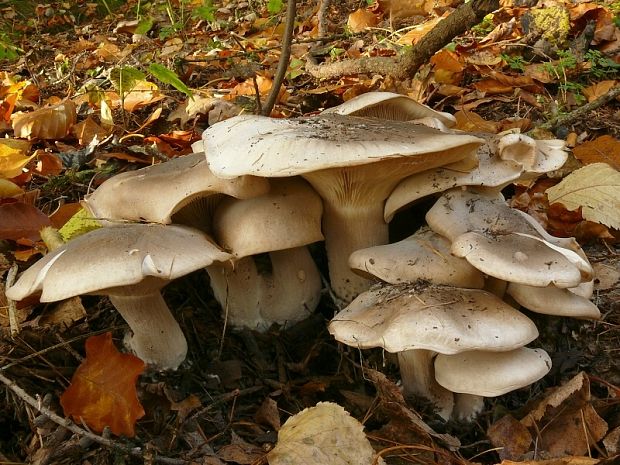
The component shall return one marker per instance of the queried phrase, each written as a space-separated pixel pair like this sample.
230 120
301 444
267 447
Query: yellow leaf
9 189
12 160
596 189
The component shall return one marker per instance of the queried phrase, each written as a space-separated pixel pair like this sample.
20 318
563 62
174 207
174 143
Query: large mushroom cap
106 260
552 300
263 146
288 216
156 192
424 255
389 106
491 374
442 319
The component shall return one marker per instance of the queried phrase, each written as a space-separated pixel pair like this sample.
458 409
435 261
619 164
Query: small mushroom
535 156
417 321
353 163
424 255
280 223
155 193
391 106
552 300
477 374
130 264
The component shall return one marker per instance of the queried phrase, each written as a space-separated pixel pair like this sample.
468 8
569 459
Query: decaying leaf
473 122
53 122
9 188
511 437
558 461
103 388
323 434
20 220
596 189
565 422
361 19
604 149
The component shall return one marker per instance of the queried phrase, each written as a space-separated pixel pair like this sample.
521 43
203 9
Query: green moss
553 23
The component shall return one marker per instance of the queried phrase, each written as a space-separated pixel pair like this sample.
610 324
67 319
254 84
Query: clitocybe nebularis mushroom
353 163
155 193
419 321
477 374
425 255
130 264
281 223
552 300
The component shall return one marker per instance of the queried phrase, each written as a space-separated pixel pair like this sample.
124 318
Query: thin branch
582 111
408 62
68 424
284 59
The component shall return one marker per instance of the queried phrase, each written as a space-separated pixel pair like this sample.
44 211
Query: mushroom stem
467 406
347 230
418 377
288 294
157 337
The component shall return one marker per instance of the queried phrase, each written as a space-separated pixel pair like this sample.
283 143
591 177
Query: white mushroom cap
424 255
390 106
516 258
536 156
130 263
552 300
442 319
155 193
288 216
491 374
353 163
491 172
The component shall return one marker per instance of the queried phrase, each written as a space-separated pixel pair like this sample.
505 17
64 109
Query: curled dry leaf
53 122
604 149
323 434
12 158
361 19
596 189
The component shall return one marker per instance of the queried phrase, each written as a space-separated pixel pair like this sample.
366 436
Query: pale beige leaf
53 122
596 189
324 434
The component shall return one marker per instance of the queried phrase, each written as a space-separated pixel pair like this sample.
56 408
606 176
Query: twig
406 64
12 308
582 111
68 424
284 59
322 17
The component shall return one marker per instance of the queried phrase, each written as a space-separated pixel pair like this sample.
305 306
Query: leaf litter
227 405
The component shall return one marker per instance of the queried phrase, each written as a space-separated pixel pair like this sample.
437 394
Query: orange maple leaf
103 388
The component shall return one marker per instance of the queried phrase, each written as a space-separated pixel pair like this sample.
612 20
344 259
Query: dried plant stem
12 308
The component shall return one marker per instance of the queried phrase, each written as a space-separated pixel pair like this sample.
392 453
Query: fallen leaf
85 131
473 122
12 160
510 436
19 220
565 423
48 164
53 122
599 89
103 388
558 461
268 414
596 189
361 19
604 149
412 36
323 434
9 188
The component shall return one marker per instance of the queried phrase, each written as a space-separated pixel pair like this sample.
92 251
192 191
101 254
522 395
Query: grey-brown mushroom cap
552 300
390 106
156 192
491 374
517 258
106 260
288 216
424 255
262 146
491 172
442 319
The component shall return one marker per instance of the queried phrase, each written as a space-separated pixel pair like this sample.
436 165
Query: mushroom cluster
259 190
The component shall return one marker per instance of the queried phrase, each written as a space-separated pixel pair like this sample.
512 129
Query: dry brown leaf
558 461
268 414
492 86
12 159
412 36
599 89
85 131
103 388
361 19
472 122
565 422
448 68
48 164
52 122
510 436
604 149
9 189
21 221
